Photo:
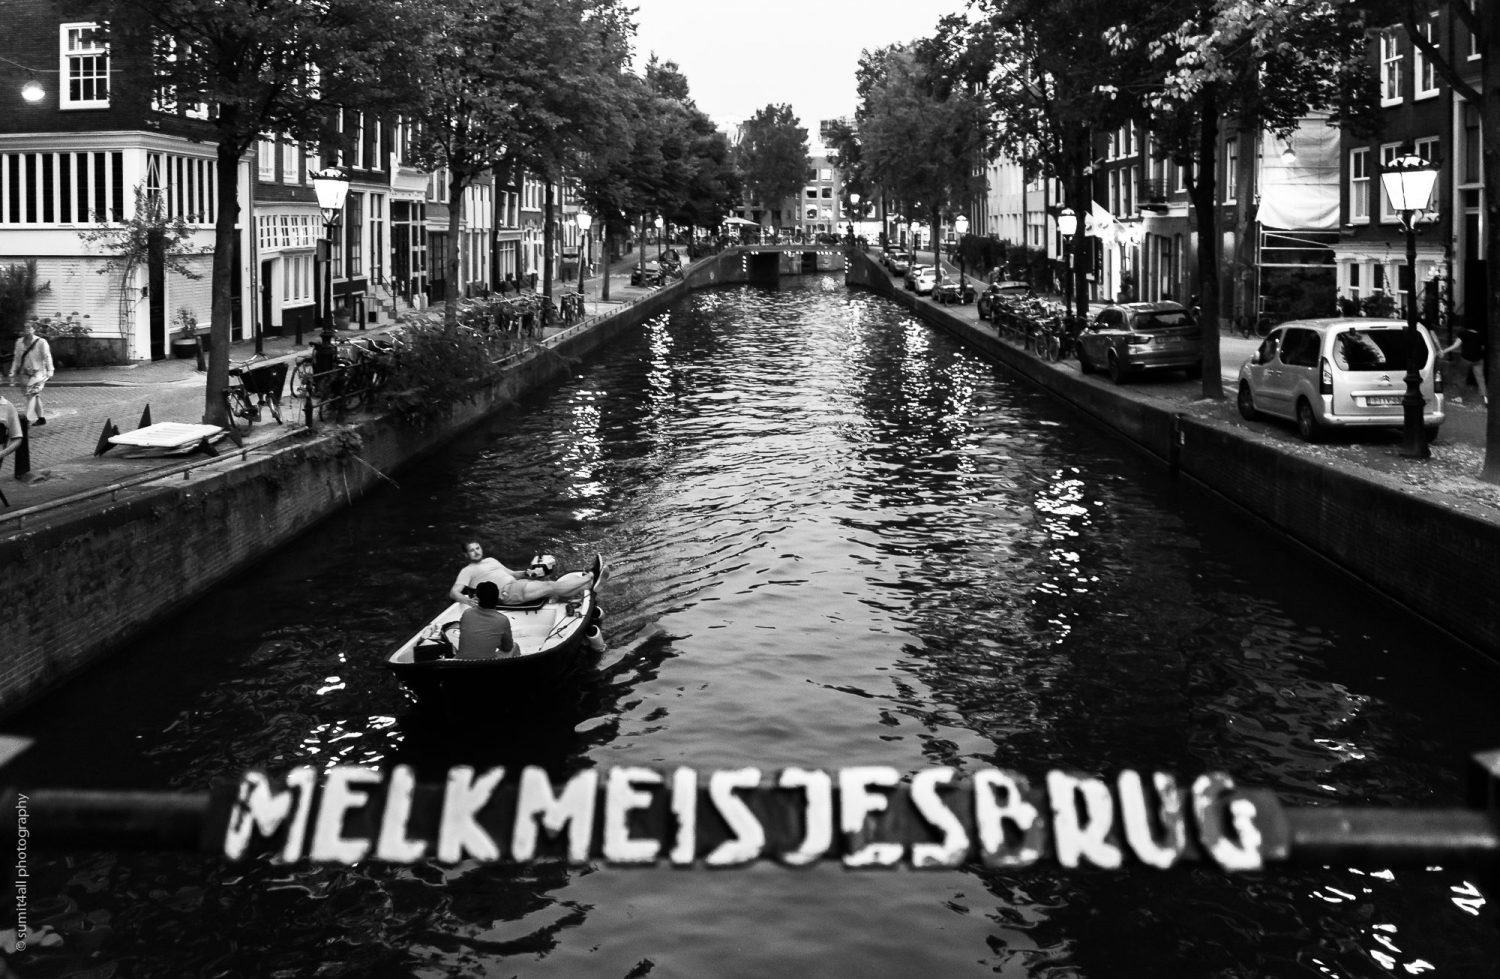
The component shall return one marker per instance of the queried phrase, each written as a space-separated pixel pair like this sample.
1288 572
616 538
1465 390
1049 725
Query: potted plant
185 329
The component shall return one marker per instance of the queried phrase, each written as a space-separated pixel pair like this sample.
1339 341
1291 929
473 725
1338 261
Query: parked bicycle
251 388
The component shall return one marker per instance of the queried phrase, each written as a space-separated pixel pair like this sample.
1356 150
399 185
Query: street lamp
1067 226
961 228
853 213
585 221
332 187
1408 182
659 224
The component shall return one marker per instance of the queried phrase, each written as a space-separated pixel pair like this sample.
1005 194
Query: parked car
899 263
1128 338
921 279
1333 374
1000 288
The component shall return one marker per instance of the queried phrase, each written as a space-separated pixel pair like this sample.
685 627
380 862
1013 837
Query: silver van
1331 374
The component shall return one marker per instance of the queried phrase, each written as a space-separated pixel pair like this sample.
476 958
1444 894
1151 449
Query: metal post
1413 434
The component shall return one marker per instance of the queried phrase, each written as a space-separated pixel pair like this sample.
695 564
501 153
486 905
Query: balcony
1151 196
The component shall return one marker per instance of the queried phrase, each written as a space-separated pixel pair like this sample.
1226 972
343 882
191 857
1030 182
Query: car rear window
1164 319
1370 350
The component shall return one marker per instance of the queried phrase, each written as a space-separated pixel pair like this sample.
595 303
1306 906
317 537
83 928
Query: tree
1261 67
497 96
922 134
275 67
772 156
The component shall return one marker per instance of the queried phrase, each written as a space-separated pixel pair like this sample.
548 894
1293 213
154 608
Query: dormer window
84 66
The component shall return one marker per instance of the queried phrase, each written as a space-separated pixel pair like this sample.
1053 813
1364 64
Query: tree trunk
604 260
453 262
1203 189
1244 307
221 318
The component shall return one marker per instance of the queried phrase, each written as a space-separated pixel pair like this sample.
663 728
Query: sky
741 55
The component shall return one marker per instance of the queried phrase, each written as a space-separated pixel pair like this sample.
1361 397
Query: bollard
23 454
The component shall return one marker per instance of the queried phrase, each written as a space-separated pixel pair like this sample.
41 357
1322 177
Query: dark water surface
837 538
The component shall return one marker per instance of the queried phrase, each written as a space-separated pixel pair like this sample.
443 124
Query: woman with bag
33 362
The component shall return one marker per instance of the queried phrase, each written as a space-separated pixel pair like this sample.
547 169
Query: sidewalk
80 402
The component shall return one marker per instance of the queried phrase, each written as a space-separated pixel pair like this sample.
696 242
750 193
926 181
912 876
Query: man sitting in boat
539 586
484 631
479 568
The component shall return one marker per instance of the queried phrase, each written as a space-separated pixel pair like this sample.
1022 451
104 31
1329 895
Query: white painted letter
459 831
954 848
817 813
620 797
991 817
1082 835
339 796
1208 808
573 808
685 810
749 837
1140 827
256 809
393 843
856 802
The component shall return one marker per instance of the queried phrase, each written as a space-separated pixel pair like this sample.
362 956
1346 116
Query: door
156 292
267 304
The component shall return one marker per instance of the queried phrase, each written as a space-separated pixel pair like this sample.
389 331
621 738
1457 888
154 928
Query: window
290 172
1359 185
265 158
828 193
1390 68
84 67
1388 152
359 141
1473 35
1299 348
354 229
812 193
1423 71
1231 169
1354 287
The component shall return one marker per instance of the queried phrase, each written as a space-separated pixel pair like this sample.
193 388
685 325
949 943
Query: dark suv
1130 337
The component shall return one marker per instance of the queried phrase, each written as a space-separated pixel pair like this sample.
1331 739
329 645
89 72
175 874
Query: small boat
556 638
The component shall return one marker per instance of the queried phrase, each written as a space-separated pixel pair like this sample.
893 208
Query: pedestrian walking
1471 346
33 363
10 428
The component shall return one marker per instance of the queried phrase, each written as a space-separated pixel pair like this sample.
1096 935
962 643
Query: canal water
836 538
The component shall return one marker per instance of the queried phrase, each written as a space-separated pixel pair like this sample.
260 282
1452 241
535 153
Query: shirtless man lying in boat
532 586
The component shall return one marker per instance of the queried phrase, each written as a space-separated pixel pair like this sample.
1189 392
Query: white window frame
1474 52
290 169
66 54
265 158
1359 185
1388 152
1231 169
359 141
1390 68
1423 71
1352 275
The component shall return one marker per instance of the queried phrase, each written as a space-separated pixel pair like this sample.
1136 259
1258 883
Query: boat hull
558 642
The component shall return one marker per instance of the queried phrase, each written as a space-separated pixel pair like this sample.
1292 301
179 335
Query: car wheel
1117 371
1307 423
1246 403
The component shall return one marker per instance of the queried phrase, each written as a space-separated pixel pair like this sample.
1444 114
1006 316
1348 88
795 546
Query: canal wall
1437 562
84 579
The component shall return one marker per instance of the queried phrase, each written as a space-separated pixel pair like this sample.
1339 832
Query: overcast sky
741 55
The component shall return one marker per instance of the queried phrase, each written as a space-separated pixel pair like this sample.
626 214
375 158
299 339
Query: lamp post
961 228
1408 182
659 224
1067 226
585 221
853 213
332 187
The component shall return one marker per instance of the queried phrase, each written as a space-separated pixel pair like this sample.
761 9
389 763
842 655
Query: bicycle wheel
237 409
302 378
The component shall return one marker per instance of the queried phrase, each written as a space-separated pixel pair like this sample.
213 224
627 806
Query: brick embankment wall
85 580
1432 559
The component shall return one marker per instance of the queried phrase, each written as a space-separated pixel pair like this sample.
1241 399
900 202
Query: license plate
1382 400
